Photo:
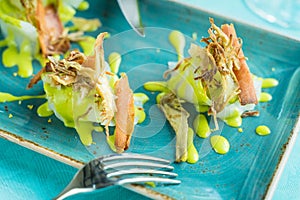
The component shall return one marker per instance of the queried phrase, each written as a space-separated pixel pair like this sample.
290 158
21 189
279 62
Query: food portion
82 90
50 29
125 113
35 29
216 80
84 93
87 93
178 118
247 93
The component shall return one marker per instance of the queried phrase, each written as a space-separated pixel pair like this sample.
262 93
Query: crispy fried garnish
50 30
251 113
63 71
216 72
36 78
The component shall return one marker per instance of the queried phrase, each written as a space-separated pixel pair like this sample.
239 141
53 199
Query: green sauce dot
262 130
44 110
201 126
234 119
159 96
156 86
84 5
220 144
265 97
269 82
139 114
193 155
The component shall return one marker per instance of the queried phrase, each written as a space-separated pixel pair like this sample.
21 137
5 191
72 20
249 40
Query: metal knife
130 10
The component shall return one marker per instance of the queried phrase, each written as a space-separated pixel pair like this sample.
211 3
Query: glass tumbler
285 13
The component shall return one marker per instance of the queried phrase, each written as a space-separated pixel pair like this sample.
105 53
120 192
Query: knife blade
130 10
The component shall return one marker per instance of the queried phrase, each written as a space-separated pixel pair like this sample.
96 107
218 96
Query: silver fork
119 169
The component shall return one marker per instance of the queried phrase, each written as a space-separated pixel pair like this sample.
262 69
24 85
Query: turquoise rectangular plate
252 166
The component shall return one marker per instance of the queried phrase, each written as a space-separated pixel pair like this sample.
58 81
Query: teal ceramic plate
248 171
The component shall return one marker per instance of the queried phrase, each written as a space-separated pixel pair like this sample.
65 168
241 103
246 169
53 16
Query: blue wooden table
25 174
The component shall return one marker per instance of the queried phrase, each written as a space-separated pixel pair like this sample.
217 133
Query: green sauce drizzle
84 5
62 101
23 59
220 144
114 61
44 110
159 96
84 130
201 126
140 99
193 155
6 97
265 97
178 41
156 86
262 130
139 114
234 119
269 82
111 142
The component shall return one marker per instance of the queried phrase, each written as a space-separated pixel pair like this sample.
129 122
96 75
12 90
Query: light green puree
265 97
6 97
156 86
22 58
201 126
139 112
269 83
220 144
234 119
44 110
262 130
114 61
84 5
177 39
193 155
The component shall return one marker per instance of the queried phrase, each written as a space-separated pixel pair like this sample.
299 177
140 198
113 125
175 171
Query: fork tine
145 179
120 169
134 156
139 164
141 171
